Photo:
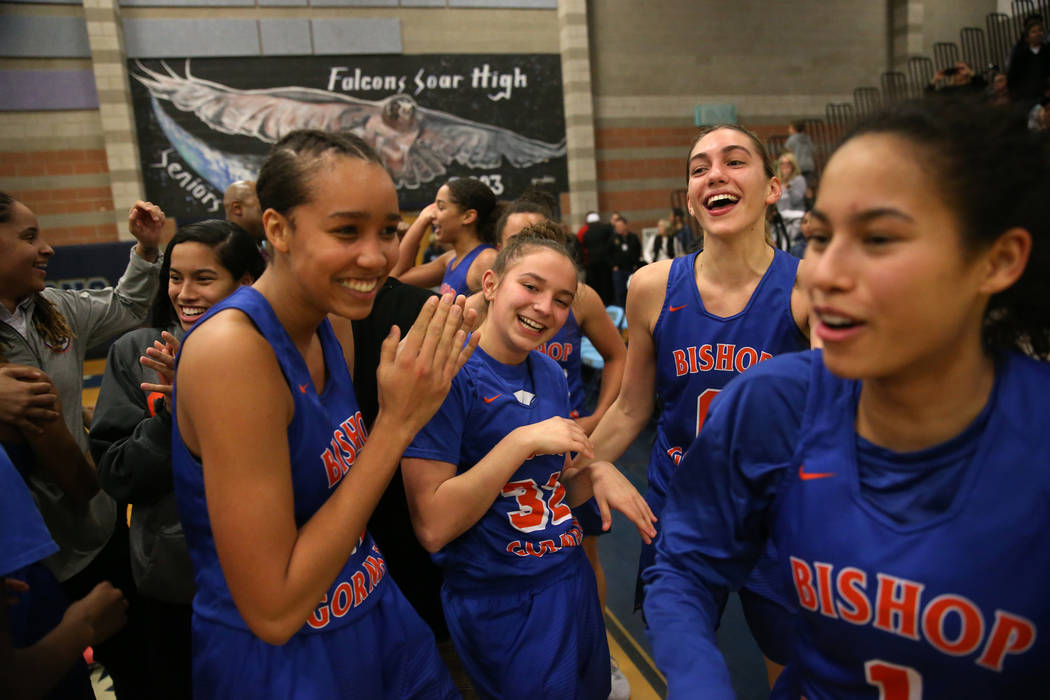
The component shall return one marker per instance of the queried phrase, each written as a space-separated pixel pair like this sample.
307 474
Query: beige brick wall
648 63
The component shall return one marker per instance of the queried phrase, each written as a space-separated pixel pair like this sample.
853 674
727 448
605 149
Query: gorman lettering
349 593
896 607
572 538
720 357
341 453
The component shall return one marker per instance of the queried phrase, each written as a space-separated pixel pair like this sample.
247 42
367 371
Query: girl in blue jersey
587 318
273 477
463 216
484 482
901 471
695 322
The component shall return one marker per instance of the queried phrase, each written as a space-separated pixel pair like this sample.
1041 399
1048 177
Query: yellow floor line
637 647
96 366
89 397
640 688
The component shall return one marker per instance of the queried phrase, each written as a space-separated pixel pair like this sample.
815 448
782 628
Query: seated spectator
956 81
664 245
792 183
799 143
688 241
1029 63
1000 94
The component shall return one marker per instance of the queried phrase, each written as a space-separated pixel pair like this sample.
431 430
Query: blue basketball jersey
325 436
564 348
946 605
455 279
697 353
530 529
920 574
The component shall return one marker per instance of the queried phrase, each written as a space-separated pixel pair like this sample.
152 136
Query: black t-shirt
627 251
391 526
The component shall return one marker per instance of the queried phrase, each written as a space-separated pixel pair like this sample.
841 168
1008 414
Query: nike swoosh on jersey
490 399
672 309
303 387
806 476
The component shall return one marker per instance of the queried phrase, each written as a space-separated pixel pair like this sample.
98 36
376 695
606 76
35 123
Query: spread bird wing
264 114
444 138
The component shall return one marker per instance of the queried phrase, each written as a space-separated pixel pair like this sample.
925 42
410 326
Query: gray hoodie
81 531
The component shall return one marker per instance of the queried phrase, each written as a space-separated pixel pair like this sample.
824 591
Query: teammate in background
463 215
131 435
695 322
272 475
901 472
484 485
242 208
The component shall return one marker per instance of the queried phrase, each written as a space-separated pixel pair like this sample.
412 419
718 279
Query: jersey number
894 682
533 512
703 402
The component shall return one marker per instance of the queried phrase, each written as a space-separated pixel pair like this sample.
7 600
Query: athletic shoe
621 688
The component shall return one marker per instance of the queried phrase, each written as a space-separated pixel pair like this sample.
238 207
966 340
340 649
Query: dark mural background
204 123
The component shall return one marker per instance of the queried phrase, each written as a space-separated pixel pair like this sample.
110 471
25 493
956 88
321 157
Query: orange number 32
533 512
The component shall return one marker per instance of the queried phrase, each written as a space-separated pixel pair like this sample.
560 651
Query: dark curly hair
995 175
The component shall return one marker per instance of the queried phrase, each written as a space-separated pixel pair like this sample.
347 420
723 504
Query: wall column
579 109
106 36
906 35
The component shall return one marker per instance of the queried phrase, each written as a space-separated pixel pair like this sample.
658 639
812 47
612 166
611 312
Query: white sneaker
621 688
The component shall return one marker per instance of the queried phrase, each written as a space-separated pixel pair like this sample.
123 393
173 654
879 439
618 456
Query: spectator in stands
792 202
1029 63
664 245
1039 115
792 183
626 256
242 208
956 81
683 233
1000 94
799 143
597 245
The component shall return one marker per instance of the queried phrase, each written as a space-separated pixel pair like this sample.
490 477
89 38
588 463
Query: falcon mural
416 144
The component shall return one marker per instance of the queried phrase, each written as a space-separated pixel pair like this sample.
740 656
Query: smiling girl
131 436
274 479
901 471
695 322
488 498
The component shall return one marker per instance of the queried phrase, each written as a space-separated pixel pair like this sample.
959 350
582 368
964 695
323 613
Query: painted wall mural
205 123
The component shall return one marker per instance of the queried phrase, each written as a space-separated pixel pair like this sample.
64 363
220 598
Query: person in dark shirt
626 256
1029 63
